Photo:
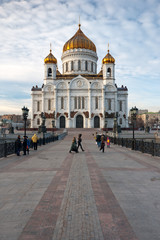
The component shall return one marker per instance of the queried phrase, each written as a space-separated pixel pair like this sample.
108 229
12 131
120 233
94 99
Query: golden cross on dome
79 22
108 47
50 47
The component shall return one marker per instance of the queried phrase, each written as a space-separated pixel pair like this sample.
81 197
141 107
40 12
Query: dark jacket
18 143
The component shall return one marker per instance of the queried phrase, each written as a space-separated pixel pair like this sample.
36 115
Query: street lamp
25 111
134 112
147 127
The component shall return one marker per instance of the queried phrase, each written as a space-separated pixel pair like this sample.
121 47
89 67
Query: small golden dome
79 40
50 58
108 58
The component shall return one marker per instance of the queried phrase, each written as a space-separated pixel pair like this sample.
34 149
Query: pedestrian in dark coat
18 145
102 143
79 142
98 140
24 145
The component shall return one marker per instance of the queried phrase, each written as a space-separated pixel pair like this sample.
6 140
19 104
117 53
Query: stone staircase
87 133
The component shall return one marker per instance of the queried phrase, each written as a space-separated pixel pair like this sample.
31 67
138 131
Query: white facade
79 97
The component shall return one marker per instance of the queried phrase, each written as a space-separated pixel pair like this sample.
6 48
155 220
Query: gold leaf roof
50 58
108 58
79 40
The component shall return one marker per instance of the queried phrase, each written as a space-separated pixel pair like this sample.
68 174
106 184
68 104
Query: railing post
5 149
142 146
152 148
122 142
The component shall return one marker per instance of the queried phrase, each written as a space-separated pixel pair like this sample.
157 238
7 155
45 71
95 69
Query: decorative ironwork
73 113
109 115
86 114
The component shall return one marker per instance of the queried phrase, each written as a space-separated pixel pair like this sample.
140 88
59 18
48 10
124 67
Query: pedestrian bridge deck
53 195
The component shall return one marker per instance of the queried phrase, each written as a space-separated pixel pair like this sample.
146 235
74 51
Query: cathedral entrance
79 121
62 122
96 122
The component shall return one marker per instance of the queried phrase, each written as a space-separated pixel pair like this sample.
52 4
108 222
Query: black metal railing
8 148
149 147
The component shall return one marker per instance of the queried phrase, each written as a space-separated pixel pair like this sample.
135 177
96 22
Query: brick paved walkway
54 195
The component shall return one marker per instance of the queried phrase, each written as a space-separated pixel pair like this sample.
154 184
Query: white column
69 107
55 106
103 101
43 101
90 108
32 112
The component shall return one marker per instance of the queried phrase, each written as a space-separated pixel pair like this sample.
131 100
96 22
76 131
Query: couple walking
74 146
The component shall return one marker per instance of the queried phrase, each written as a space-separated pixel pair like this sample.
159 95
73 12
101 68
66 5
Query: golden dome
108 58
79 40
50 58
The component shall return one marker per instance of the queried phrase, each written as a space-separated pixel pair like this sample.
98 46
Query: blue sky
131 27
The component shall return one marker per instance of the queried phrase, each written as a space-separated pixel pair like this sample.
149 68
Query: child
108 142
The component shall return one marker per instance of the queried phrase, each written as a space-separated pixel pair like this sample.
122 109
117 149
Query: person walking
34 140
74 146
24 145
18 145
79 142
98 140
102 143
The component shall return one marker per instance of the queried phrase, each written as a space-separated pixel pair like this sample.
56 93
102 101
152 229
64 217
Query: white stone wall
79 54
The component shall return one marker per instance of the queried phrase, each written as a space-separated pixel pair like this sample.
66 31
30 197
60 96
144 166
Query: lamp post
134 112
147 127
25 111
43 127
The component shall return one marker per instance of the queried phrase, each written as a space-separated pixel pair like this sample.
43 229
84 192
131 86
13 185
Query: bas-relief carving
80 83
110 88
96 85
62 85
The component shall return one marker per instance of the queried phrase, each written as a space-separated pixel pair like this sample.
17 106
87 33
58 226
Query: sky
131 27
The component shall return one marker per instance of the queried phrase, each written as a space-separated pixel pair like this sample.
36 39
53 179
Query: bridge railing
149 147
9 147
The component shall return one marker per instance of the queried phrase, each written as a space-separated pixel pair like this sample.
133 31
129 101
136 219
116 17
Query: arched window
109 104
108 72
38 121
83 103
75 102
38 106
79 102
79 65
120 105
62 102
96 103
91 66
49 72
120 121
72 66
66 67
86 66
49 104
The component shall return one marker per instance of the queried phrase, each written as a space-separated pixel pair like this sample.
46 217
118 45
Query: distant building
142 111
13 118
151 118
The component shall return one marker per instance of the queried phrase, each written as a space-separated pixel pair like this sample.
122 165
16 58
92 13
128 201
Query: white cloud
131 27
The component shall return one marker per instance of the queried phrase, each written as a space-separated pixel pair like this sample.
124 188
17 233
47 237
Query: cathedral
79 97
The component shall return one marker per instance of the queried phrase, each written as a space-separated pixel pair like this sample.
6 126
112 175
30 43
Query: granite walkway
52 194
